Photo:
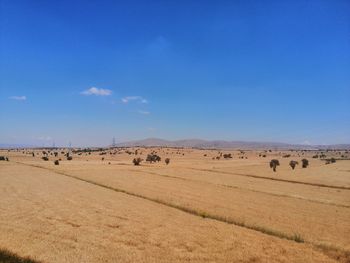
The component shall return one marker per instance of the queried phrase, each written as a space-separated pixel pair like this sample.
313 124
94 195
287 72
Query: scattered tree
274 163
57 162
332 160
305 163
153 158
167 161
227 155
137 161
293 164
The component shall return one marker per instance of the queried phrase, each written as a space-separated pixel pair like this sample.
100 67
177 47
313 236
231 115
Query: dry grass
195 209
287 215
295 237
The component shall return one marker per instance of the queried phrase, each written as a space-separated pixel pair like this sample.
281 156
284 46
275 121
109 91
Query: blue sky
87 71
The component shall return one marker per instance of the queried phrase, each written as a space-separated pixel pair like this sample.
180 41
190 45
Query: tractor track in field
245 189
272 179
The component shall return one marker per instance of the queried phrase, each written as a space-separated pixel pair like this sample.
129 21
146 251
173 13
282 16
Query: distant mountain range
216 144
219 144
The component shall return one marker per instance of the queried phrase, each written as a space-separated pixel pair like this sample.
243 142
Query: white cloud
97 92
144 112
18 97
134 98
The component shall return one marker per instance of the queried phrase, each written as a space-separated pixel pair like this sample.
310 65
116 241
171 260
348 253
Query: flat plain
99 207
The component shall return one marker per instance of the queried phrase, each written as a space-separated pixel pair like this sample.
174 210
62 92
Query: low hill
220 144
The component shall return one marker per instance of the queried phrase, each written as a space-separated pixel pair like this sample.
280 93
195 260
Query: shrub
56 162
167 161
69 158
153 158
227 155
332 160
137 161
305 163
2 158
274 163
293 164
45 158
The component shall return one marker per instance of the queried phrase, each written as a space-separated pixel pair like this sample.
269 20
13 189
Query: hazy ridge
221 144
199 143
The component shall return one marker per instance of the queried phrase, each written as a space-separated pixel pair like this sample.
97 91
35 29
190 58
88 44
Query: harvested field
194 209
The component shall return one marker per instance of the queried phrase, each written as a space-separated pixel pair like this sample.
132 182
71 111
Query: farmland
201 207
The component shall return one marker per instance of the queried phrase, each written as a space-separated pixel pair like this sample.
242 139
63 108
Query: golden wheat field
100 207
